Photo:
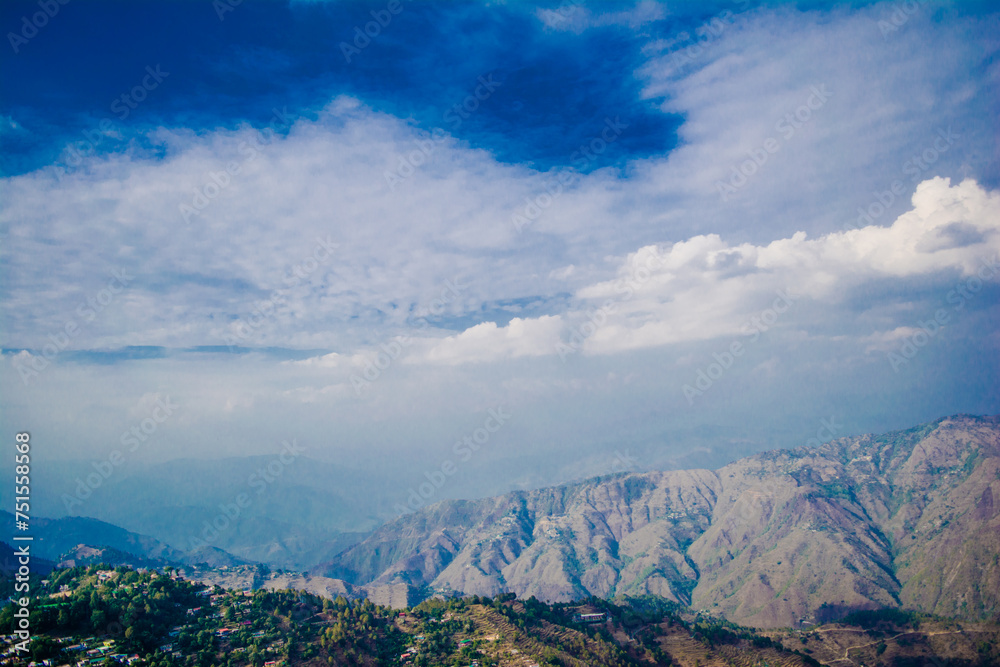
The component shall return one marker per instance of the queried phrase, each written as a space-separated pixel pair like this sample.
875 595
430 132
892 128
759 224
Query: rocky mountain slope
258 577
906 519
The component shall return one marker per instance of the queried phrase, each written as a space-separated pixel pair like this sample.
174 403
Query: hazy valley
780 539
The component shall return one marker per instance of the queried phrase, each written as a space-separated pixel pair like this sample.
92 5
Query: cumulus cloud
704 287
488 342
332 360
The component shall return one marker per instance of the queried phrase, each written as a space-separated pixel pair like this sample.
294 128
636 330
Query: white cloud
487 342
332 360
577 18
196 283
326 393
682 267
704 288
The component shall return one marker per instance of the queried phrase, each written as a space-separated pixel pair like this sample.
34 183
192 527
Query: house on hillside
599 617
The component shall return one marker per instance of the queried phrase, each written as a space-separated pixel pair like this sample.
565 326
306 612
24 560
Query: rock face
907 519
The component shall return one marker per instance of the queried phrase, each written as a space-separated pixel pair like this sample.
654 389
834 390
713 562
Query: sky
536 241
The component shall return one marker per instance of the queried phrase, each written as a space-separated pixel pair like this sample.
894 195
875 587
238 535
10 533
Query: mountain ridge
780 538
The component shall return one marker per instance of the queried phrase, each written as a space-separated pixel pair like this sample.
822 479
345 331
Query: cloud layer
376 279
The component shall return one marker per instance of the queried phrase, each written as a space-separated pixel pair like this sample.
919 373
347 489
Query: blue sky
661 235
554 87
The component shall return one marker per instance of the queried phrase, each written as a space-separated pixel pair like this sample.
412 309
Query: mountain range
784 538
296 518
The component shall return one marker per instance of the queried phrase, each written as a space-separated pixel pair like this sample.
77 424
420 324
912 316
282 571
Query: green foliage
140 605
131 612
872 618
159 617
970 463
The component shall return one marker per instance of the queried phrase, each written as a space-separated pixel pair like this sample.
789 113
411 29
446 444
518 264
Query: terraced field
944 641
685 651
521 634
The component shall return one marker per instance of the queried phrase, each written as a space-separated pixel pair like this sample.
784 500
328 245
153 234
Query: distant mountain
296 514
82 541
906 519
257 577
55 537
9 562
82 555
9 565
